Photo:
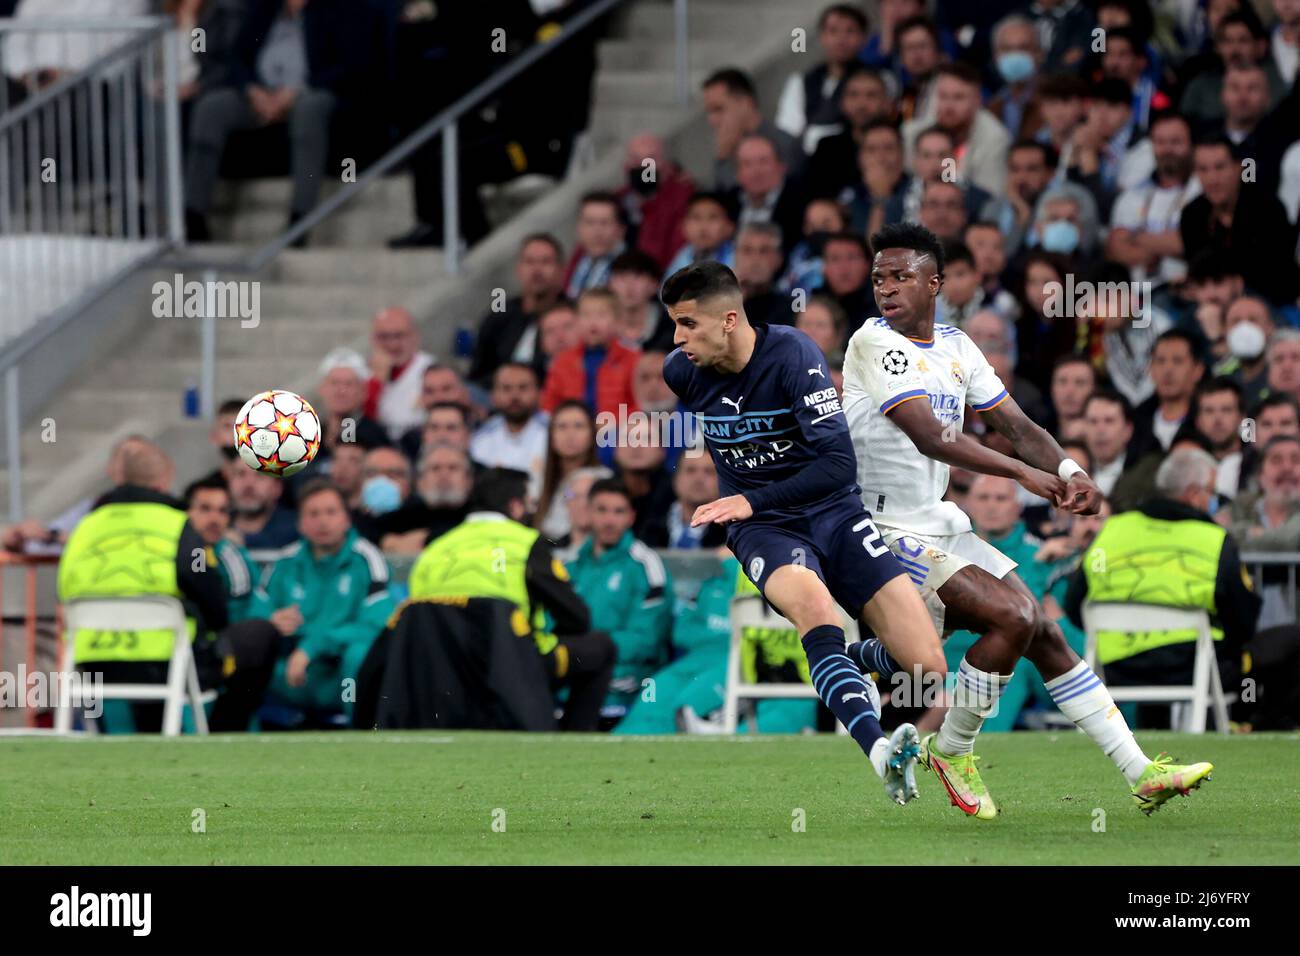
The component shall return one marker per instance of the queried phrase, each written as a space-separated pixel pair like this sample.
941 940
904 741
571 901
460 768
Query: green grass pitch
429 797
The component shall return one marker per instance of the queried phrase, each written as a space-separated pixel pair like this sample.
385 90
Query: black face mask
229 453
639 185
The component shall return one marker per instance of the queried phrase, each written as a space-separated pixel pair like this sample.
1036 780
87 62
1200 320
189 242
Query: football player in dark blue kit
771 418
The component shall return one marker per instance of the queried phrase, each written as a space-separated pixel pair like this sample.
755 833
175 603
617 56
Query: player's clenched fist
1043 485
1082 496
723 511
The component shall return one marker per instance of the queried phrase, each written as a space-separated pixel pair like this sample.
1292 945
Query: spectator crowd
1116 184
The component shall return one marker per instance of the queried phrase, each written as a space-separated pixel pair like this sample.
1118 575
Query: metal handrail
89 25
144 42
43 97
444 123
14 351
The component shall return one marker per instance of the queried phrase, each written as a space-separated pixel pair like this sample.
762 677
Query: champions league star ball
277 433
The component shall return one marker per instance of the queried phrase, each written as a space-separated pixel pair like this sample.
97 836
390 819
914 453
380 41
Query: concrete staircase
322 297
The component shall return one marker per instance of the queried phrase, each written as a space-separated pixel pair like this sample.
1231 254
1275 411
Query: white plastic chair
1206 687
749 610
145 613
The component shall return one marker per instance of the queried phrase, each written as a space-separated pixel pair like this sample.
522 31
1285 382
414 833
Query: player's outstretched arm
954 447
1036 445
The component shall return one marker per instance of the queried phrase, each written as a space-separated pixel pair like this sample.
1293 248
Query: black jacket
341 37
448 666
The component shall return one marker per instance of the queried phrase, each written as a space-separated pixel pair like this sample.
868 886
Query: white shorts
931 559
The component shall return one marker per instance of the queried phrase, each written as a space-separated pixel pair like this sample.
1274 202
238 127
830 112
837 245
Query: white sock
1082 697
879 756
974 698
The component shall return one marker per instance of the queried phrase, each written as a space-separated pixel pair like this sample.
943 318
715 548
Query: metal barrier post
450 201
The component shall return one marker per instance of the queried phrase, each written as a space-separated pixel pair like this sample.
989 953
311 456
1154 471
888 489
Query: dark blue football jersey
777 419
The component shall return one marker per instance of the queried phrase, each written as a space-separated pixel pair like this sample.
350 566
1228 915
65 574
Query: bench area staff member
491 554
137 540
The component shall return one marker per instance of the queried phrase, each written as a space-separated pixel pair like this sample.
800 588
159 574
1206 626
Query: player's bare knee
1020 621
809 607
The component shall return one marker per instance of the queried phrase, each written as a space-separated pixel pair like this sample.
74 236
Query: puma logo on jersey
735 404
817 371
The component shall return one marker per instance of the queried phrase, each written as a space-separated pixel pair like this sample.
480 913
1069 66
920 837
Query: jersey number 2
872 541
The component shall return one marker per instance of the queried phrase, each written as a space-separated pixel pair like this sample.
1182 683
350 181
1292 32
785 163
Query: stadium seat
144 613
751 610
1206 687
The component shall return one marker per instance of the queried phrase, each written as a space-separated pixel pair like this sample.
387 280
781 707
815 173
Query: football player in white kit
907 382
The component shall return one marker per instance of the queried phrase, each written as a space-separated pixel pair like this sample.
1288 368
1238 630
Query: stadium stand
1129 214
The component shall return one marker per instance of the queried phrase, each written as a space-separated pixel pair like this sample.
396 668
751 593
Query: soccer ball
277 433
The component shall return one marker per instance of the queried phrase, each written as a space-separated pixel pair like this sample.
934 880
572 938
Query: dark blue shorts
839 542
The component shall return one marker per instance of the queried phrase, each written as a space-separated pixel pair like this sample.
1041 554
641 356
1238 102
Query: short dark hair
1247 18
1063 86
1113 90
912 23
230 406
1219 138
1179 335
213 482
934 130
1104 394
520 365
545 237
317 486
636 261
954 250
909 235
613 486
457 407
1210 265
1133 36
1274 400
698 281
442 367
1051 156
1212 385
1167 116
495 488
959 71
860 69
1074 358
737 82
604 197
843 10
882 122
851 237
1188 431
723 200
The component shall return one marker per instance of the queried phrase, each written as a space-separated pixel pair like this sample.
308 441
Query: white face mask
1246 341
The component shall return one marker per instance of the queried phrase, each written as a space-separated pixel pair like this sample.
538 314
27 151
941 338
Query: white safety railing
90 177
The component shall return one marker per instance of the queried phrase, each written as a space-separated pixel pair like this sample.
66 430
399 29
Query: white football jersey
901 487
